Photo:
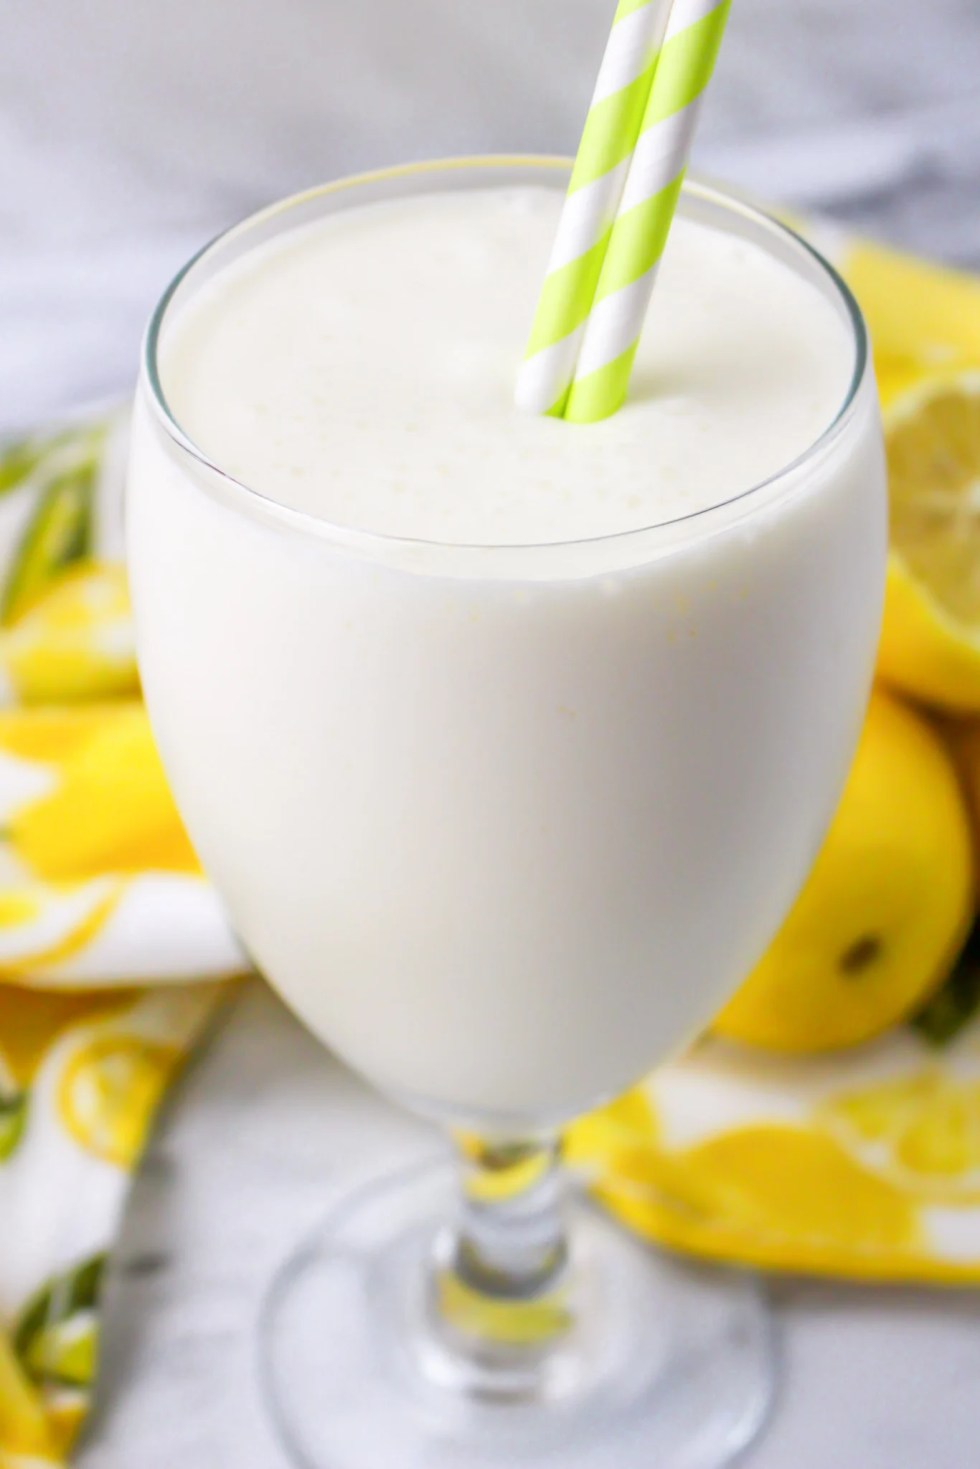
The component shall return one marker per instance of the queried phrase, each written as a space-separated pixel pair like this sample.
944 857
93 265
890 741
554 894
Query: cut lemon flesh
930 644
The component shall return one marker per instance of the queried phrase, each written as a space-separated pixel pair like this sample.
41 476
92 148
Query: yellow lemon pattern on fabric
24 1429
60 530
922 1132
111 810
65 1351
49 734
19 905
105 812
79 911
75 641
775 1194
619 1151
618 1137
66 1410
31 1020
54 1348
98 886
930 641
782 1181
108 1091
885 908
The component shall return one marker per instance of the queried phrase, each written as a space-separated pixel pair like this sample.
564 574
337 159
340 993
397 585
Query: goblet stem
501 1288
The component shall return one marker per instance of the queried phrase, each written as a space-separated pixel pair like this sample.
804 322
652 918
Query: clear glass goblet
504 835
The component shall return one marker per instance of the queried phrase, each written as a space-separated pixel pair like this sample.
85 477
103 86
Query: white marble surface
128 133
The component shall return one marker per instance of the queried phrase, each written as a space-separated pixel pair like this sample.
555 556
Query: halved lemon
930 641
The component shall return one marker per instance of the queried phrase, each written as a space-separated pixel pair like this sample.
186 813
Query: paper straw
612 126
649 197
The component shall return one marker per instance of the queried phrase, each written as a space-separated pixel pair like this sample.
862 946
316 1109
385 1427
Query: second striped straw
621 200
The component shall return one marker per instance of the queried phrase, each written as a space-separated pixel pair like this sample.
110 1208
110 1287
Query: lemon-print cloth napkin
111 942
113 950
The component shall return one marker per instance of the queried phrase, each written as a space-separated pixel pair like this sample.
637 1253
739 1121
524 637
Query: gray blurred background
131 130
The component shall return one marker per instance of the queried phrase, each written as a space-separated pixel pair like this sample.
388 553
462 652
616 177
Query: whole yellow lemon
887 904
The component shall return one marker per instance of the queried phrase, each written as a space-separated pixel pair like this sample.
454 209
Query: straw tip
533 394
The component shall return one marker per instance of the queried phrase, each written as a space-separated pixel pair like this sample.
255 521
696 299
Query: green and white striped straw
598 178
646 209
599 329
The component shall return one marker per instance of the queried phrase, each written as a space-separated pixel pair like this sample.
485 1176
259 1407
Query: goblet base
663 1362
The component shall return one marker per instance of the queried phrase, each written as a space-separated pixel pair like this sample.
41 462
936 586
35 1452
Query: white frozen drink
510 749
